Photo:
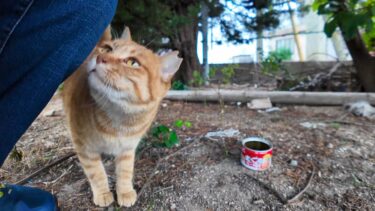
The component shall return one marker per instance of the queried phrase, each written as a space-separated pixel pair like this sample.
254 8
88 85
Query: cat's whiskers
149 43
101 97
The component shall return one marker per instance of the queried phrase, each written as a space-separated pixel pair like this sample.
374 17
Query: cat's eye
132 62
107 48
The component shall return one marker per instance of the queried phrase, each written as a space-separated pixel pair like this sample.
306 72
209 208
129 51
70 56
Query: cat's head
122 70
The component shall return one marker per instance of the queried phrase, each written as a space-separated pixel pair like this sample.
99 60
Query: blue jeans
41 43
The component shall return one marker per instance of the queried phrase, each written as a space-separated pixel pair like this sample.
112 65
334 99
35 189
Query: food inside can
257 145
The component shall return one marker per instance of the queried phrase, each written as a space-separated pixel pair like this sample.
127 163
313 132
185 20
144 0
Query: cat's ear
126 34
107 36
170 62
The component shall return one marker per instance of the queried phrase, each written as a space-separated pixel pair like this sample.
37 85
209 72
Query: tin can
256 153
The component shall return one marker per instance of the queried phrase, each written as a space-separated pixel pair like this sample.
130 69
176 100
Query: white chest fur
113 145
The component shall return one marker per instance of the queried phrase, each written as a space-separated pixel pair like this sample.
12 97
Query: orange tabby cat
110 103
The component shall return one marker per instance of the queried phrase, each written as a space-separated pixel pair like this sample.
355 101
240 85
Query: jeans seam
15 25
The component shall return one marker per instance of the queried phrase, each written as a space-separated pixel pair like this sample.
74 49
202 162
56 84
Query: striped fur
110 103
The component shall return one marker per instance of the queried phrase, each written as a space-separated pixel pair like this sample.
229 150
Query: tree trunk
295 33
185 41
364 63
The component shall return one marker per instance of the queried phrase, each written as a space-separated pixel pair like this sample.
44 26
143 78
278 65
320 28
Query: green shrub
228 73
197 79
178 85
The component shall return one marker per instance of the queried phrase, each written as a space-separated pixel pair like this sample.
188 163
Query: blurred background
274 44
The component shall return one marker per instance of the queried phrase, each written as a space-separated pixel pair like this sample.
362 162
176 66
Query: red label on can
256 160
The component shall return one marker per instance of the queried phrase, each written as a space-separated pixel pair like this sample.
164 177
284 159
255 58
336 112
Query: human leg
47 42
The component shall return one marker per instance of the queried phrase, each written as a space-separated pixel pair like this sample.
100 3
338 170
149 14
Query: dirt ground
206 174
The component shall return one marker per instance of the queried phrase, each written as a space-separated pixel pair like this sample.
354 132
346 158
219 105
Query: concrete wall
250 73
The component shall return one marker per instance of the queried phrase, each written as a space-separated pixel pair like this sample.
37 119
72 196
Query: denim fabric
22 198
41 43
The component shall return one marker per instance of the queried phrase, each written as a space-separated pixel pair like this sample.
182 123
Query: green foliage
197 79
16 154
61 87
245 17
349 16
166 136
282 53
181 124
1 187
228 72
152 21
335 125
178 85
212 72
369 39
272 64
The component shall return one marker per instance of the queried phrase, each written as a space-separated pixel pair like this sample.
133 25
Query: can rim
258 139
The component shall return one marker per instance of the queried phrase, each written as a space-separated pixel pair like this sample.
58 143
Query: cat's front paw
127 199
103 199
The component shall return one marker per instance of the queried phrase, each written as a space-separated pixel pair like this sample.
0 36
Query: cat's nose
100 59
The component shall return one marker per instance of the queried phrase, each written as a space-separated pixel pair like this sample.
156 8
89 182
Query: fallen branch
60 160
281 97
58 178
280 197
318 79
163 189
269 188
350 123
159 162
294 198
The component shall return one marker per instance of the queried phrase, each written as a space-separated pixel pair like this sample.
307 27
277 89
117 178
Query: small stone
272 110
329 146
260 201
313 125
50 113
164 105
173 206
238 104
293 163
262 103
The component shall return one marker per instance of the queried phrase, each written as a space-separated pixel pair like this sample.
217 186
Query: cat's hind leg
95 172
126 195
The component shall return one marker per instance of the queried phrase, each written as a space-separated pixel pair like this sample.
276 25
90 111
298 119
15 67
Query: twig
294 198
269 188
281 198
372 196
148 181
60 160
163 189
211 139
3 170
349 123
318 78
58 178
